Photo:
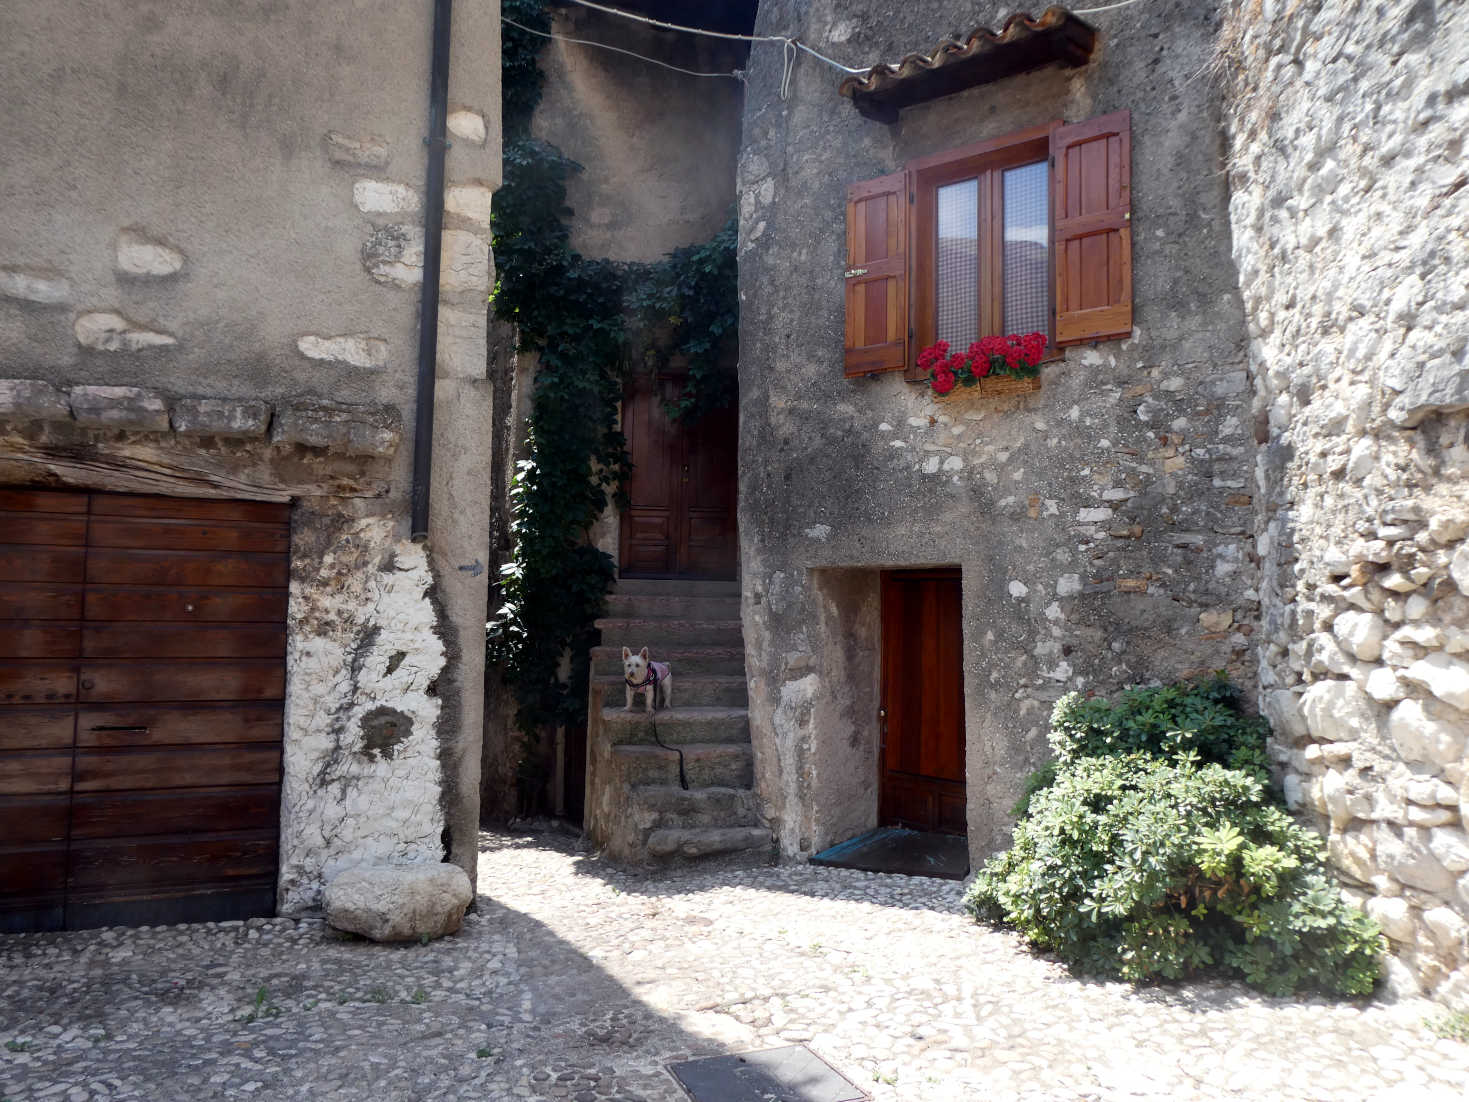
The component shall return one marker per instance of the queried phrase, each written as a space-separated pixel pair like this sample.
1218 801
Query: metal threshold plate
897 850
791 1074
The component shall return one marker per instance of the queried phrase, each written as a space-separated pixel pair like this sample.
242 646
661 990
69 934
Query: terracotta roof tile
1024 42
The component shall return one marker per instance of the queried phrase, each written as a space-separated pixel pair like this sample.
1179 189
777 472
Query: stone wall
1103 526
210 267
1348 206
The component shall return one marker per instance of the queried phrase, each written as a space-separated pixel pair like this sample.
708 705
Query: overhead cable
734 75
781 38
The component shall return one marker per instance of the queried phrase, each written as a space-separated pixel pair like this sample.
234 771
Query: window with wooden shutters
1093 232
1027 232
877 275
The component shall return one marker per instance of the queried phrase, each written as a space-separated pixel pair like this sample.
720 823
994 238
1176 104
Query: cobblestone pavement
574 981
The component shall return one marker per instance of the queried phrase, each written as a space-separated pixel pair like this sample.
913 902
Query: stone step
648 606
708 765
659 635
664 805
706 841
676 726
692 690
607 660
678 587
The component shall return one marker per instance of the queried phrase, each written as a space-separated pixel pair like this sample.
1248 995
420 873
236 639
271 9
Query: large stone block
1450 846
39 285
1420 736
353 349
1406 855
1361 633
467 124
220 417
352 430
1338 711
139 254
1394 916
368 151
32 400
404 902
1448 931
119 407
1440 385
470 201
109 331
1459 568
1445 677
385 197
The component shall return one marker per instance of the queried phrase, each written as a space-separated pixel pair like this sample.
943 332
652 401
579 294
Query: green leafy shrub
1149 863
1202 716
1038 781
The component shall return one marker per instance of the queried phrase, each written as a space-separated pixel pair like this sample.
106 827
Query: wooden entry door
680 521
142 673
922 752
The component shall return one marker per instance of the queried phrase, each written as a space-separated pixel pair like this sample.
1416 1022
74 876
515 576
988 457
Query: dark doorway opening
680 517
921 752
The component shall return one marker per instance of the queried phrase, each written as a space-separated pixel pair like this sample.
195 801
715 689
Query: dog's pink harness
657 671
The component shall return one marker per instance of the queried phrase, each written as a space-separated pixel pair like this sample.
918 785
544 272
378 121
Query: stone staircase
636 810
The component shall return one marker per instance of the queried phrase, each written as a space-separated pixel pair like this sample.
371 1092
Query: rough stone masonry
1102 526
1348 204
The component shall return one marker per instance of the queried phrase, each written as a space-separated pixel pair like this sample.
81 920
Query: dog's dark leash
652 680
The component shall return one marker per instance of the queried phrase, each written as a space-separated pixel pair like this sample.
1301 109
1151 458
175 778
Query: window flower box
998 366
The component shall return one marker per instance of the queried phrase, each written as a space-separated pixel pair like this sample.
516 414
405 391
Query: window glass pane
1027 241
956 305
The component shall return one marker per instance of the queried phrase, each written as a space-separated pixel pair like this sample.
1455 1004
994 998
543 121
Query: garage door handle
135 730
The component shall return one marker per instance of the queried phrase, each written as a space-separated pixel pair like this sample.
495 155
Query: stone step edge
720 789
692 750
693 650
676 717
674 841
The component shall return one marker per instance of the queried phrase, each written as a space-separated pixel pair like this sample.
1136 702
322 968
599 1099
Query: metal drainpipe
433 236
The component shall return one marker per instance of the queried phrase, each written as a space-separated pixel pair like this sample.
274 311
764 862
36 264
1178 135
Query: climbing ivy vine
589 321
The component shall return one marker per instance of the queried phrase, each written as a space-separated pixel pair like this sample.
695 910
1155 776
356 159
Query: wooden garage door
142 671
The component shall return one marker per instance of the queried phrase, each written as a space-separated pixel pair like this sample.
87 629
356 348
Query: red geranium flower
943 381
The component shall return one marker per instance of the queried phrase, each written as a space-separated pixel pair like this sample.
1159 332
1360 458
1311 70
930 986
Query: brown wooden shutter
1093 210
877 275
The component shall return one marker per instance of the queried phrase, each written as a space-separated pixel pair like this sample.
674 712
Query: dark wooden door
141 685
680 521
922 755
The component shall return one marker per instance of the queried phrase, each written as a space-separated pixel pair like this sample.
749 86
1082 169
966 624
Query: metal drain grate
791 1074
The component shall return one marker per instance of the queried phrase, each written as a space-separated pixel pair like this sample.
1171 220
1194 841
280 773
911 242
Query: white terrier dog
654 679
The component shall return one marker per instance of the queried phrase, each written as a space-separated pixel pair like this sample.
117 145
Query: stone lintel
350 430
32 400
220 417
119 407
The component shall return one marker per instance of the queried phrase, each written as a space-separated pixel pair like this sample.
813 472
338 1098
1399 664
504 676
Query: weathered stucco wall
210 265
657 148
363 781
1103 526
1347 125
